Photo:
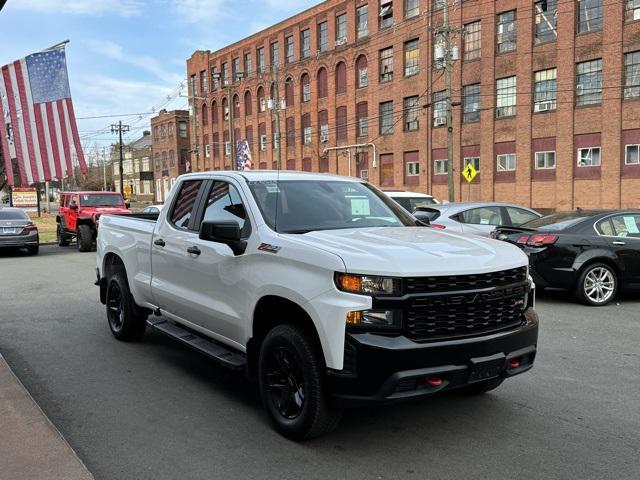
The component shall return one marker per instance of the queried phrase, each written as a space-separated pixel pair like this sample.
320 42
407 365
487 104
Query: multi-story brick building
170 149
136 167
545 97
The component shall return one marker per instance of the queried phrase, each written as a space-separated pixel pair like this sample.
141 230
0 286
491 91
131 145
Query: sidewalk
30 445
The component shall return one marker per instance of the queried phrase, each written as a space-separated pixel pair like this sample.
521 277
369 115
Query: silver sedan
476 218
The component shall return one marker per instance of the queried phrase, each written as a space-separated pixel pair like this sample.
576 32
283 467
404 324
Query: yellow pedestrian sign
469 173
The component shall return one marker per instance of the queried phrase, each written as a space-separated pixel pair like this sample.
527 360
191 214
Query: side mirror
73 206
422 217
227 233
127 204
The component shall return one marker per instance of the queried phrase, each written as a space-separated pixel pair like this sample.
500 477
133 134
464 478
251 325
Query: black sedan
593 253
18 231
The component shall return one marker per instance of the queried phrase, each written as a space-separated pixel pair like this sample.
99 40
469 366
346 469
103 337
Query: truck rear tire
126 322
62 237
292 384
84 238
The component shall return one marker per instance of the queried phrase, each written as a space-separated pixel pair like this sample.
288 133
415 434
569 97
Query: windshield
304 206
413 203
13 215
104 200
556 221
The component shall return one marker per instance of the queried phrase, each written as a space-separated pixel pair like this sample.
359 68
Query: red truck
79 213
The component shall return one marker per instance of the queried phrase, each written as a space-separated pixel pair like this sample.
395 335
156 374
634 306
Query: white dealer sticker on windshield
360 206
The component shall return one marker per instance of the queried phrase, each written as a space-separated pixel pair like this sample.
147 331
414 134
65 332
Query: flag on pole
37 123
243 156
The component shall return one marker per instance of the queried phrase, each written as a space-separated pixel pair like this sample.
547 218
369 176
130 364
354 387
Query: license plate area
483 368
9 231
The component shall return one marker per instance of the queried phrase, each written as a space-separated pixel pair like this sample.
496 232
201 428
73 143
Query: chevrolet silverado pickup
322 289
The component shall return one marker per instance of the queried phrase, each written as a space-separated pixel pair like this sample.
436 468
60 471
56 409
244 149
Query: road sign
469 173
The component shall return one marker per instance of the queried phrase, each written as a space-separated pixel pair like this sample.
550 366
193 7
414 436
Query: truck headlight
375 319
368 284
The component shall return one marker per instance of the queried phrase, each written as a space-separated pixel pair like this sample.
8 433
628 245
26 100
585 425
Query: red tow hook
514 363
434 381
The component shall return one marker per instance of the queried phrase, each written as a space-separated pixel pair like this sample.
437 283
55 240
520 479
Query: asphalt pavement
156 410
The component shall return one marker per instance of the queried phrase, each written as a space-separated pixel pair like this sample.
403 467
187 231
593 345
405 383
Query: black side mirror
73 206
422 217
224 232
127 204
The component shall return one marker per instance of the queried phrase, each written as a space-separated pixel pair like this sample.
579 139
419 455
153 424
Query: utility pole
443 35
231 132
104 169
119 128
276 107
194 126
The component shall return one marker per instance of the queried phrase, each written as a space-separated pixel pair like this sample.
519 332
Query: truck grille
466 282
470 304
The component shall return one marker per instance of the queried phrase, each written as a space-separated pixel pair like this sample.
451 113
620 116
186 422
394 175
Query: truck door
71 214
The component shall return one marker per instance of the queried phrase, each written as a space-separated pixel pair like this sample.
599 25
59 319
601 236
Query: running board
221 353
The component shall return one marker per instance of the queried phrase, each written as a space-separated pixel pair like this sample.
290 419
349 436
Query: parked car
18 231
411 201
592 253
321 288
477 218
79 213
152 209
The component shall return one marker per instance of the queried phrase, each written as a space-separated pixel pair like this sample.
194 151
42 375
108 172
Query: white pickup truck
322 289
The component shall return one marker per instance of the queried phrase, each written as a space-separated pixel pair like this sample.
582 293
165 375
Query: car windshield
556 221
301 206
413 203
104 200
13 215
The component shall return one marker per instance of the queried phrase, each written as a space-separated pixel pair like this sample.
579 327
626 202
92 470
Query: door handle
619 243
159 242
194 250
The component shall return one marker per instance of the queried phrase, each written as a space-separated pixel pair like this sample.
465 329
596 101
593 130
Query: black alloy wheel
285 382
115 307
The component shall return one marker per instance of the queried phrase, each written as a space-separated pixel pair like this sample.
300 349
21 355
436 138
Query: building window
471 103
323 121
341 29
341 78
386 65
248 103
632 10
275 54
386 13
322 83
203 81
439 106
632 75
506 37
215 78
411 8
506 162
589 157
545 160
262 104
205 115
225 74
632 155
306 87
341 124
362 73
411 58
182 129
362 117
589 83
589 15
362 21
412 169
305 43
235 69
474 161
546 16
438 4
290 129
288 93
411 112
248 65
386 118
260 57
323 37
288 45
440 166
506 97
306 129
545 90
472 40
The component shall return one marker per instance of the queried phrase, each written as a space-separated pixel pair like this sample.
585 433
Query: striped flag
37 124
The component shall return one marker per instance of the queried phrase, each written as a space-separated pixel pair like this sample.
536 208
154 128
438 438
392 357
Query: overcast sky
127 56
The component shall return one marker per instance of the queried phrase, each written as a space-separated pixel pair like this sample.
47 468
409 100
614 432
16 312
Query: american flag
37 124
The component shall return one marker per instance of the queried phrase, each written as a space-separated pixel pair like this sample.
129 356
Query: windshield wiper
297 232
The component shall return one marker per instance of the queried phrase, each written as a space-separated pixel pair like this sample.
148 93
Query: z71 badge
266 247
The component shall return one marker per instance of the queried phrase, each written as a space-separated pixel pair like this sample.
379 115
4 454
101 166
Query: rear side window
482 216
626 225
519 216
183 207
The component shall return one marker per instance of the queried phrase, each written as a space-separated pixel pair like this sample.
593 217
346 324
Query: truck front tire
292 384
126 321
84 237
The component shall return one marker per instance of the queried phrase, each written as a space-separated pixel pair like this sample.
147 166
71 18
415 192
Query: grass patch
46 226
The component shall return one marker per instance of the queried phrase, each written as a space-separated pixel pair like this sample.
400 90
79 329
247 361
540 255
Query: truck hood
91 211
415 251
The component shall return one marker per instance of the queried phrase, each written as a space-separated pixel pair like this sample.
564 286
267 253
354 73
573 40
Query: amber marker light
350 283
354 318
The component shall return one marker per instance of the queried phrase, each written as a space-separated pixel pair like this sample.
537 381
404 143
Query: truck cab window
224 204
183 206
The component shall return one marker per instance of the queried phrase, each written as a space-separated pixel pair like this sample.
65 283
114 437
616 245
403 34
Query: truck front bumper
385 369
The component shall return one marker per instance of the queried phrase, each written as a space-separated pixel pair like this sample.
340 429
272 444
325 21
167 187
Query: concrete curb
30 445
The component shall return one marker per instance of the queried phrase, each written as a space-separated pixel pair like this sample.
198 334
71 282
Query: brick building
136 167
545 97
170 149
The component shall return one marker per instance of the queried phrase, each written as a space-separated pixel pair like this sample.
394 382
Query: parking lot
156 410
